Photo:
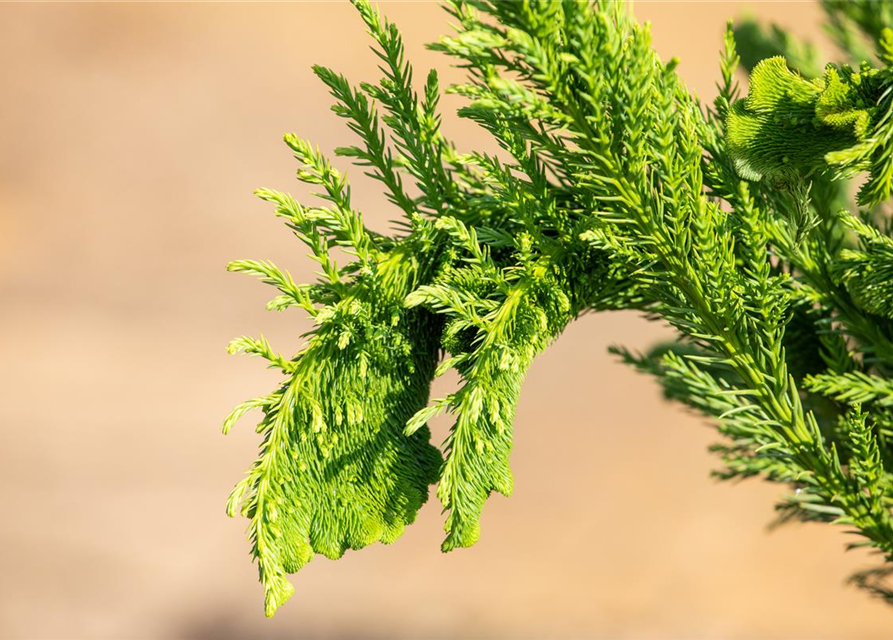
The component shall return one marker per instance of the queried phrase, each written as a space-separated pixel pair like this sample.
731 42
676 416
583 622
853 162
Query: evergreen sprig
615 189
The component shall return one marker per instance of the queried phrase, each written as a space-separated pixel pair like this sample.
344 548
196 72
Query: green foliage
789 128
614 189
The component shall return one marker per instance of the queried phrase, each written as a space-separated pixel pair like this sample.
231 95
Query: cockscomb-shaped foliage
614 188
789 128
336 470
788 124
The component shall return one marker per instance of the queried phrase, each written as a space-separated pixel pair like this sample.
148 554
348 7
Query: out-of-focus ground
131 137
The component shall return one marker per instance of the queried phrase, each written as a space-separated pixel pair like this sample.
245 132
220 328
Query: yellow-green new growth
789 128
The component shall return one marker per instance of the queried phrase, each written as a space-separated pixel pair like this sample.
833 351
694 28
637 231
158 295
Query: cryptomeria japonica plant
617 189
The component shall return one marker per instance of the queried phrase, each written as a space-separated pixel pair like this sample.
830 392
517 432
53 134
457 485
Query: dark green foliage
615 189
756 42
857 25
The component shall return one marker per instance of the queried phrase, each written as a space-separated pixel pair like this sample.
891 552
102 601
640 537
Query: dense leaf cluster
616 189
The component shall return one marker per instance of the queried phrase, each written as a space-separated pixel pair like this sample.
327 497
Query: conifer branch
620 190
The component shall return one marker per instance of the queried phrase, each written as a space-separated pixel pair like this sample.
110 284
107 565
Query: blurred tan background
131 137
